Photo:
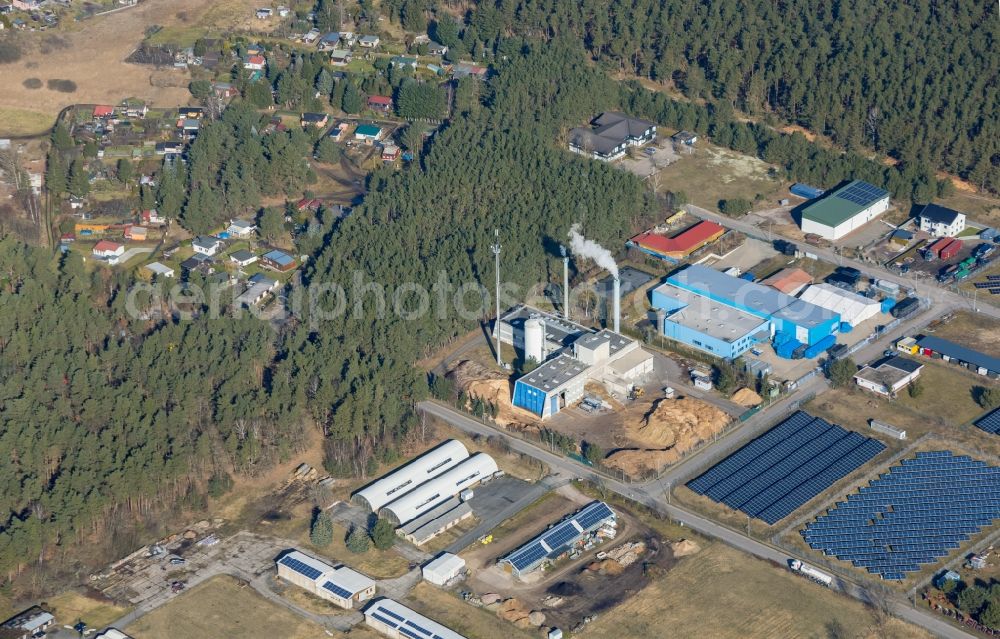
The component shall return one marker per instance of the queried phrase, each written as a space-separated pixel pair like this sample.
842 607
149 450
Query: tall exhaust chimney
565 256
617 303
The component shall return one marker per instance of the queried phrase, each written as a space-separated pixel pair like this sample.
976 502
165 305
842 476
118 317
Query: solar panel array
862 193
337 590
773 475
915 514
552 541
404 626
990 422
300 567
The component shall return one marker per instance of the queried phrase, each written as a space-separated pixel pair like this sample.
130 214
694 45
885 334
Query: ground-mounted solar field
917 513
990 422
770 477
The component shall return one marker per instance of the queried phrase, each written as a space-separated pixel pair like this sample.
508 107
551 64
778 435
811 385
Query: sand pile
746 397
514 611
680 423
492 386
684 547
607 567
669 429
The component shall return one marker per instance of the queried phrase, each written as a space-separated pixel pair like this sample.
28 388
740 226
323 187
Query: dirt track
92 54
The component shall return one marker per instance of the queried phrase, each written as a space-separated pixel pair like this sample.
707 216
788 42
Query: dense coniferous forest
914 80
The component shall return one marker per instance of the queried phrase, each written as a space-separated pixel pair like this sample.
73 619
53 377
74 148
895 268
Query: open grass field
446 608
23 122
220 607
712 173
93 56
69 606
722 593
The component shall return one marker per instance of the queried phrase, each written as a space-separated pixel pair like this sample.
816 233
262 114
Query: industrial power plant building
556 332
844 210
594 518
726 316
341 585
605 356
393 619
428 484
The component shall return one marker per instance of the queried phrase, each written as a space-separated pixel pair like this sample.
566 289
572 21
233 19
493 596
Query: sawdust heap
746 397
608 568
671 428
492 386
684 547
514 611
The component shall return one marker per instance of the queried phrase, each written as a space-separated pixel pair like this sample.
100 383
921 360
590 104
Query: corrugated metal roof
959 352
687 240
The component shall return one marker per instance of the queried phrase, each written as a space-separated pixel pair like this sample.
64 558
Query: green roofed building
844 210
368 132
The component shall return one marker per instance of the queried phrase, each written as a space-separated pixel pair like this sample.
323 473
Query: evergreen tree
413 138
200 89
841 372
259 95
271 224
324 83
124 170
383 534
327 150
420 100
55 173
78 182
60 137
170 193
358 540
321 530
352 102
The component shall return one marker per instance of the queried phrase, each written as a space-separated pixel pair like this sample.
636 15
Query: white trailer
815 574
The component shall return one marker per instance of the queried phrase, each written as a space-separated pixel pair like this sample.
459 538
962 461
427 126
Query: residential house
390 153
368 133
189 127
136 233
103 111
109 251
264 13
422 38
341 57
241 228
159 270
940 221
224 90
328 41
368 41
611 134
242 258
152 216
206 245
254 62
27 5
318 120
198 262
134 108
33 622
382 103
403 62
283 11
339 131
685 137
76 203
888 376
211 59
469 70
436 48
190 112
348 39
258 289
278 261
173 146
311 36
308 204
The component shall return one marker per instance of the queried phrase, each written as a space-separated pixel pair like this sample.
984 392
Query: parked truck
815 574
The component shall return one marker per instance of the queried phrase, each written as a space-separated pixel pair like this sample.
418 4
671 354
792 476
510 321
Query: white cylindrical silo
534 339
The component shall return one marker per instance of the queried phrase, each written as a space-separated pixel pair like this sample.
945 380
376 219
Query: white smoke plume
582 247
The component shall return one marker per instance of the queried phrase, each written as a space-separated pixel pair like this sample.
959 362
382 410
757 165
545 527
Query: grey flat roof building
712 318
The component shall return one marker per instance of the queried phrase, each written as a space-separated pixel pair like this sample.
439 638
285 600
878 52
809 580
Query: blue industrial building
725 315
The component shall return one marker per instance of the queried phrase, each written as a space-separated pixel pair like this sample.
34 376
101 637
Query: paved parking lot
645 165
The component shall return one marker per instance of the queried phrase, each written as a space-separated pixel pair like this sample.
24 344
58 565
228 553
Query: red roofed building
306 204
103 111
110 251
380 103
681 245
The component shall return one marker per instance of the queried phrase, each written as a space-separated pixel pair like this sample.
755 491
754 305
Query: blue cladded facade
530 398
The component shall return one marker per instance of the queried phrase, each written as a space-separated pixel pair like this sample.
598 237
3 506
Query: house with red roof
679 246
109 251
152 216
254 62
103 111
381 103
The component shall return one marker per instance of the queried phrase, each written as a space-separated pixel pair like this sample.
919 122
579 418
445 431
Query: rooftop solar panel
990 422
299 567
337 590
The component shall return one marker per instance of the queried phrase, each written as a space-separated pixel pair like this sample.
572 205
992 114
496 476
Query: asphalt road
652 494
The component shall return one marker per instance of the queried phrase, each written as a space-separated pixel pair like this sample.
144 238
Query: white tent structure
440 489
443 569
853 308
405 479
